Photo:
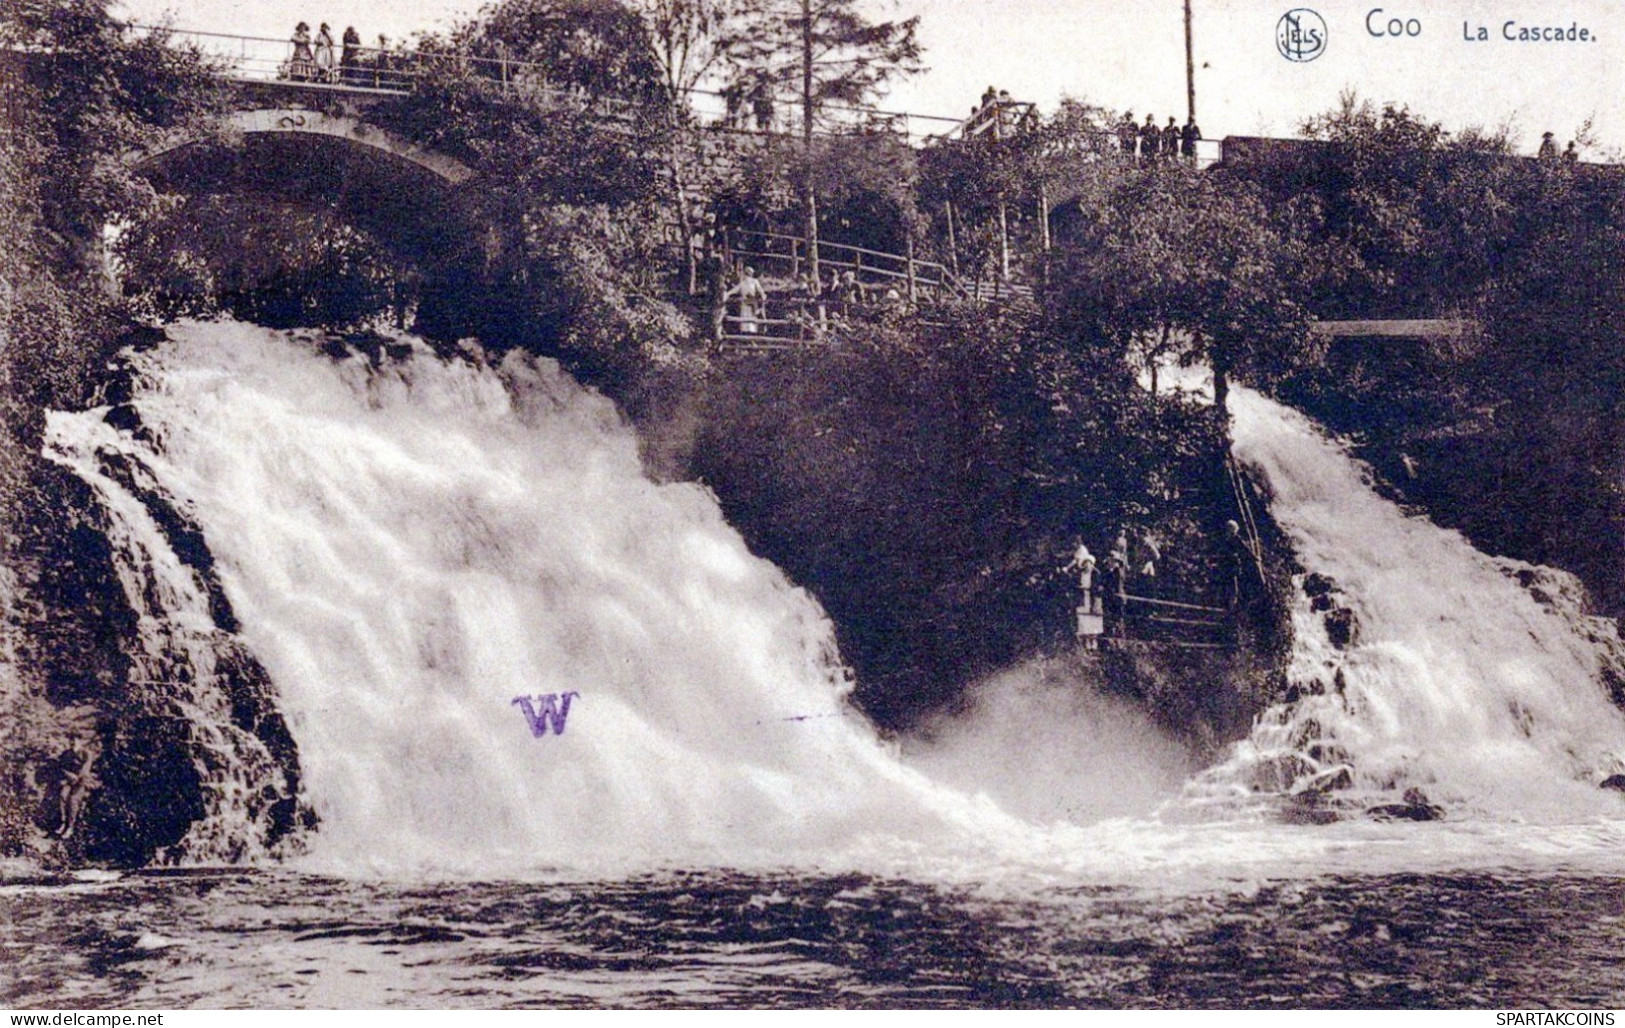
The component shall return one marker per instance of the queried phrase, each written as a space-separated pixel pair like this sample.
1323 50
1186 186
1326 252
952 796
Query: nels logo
1300 35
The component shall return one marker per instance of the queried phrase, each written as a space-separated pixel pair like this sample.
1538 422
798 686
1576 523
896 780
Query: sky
1129 54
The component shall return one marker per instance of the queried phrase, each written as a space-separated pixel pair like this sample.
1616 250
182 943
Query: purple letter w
553 712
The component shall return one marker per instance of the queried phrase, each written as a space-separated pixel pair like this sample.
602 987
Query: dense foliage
1513 430
76 93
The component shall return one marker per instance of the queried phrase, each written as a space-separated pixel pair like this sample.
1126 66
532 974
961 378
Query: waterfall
490 633
1419 662
498 644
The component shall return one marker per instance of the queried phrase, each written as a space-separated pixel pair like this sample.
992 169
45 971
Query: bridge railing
399 70
362 68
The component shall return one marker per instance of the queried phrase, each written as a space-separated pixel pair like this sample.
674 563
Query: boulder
1414 807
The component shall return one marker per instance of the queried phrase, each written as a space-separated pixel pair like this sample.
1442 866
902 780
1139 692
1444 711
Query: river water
431 556
804 939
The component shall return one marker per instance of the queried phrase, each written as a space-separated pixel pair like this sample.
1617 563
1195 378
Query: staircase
883 286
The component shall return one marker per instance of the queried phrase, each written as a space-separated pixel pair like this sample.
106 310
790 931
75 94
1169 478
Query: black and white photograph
812 504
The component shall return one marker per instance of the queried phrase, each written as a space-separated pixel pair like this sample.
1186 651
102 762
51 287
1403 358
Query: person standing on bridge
761 105
324 54
1150 139
351 52
383 76
302 65
1127 135
1188 137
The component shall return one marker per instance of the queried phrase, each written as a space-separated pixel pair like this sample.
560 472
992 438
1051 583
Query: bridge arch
299 121
427 208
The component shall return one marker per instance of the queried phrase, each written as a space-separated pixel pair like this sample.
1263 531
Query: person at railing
1083 562
752 301
733 104
1548 147
302 65
892 304
1240 565
1150 139
714 274
1004 113
850 295
1188 138
1152 553
1114 588
350 53
1128 135
384 76
804 305
324 54
761 105
1170 140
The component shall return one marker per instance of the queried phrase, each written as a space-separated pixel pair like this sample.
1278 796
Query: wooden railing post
913 287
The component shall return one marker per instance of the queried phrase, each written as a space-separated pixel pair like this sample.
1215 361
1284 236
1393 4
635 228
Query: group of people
1548 149
809 301
747 100
317 59
998 113
1147 142
1104 586
1111 598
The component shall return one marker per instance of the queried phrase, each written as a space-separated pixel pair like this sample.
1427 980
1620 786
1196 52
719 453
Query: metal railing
360 68
398 69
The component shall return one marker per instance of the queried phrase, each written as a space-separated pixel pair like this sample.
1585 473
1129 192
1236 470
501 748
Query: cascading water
1475 680
510 660
491 634
498 644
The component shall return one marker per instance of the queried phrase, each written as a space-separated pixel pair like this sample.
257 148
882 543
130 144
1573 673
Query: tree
597 46
689 40
1171 261
823 52
1412 219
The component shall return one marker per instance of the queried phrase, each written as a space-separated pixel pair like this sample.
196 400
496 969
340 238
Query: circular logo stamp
1300 35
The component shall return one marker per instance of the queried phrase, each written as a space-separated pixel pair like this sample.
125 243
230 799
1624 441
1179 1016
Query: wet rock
1278 774
1316 585
1329 780
1308 809
1341 628
1415 807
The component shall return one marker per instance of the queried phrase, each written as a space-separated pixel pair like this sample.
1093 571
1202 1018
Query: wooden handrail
1171 603
826 244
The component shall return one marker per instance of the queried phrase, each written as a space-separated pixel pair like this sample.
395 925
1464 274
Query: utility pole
807 138
1190 67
